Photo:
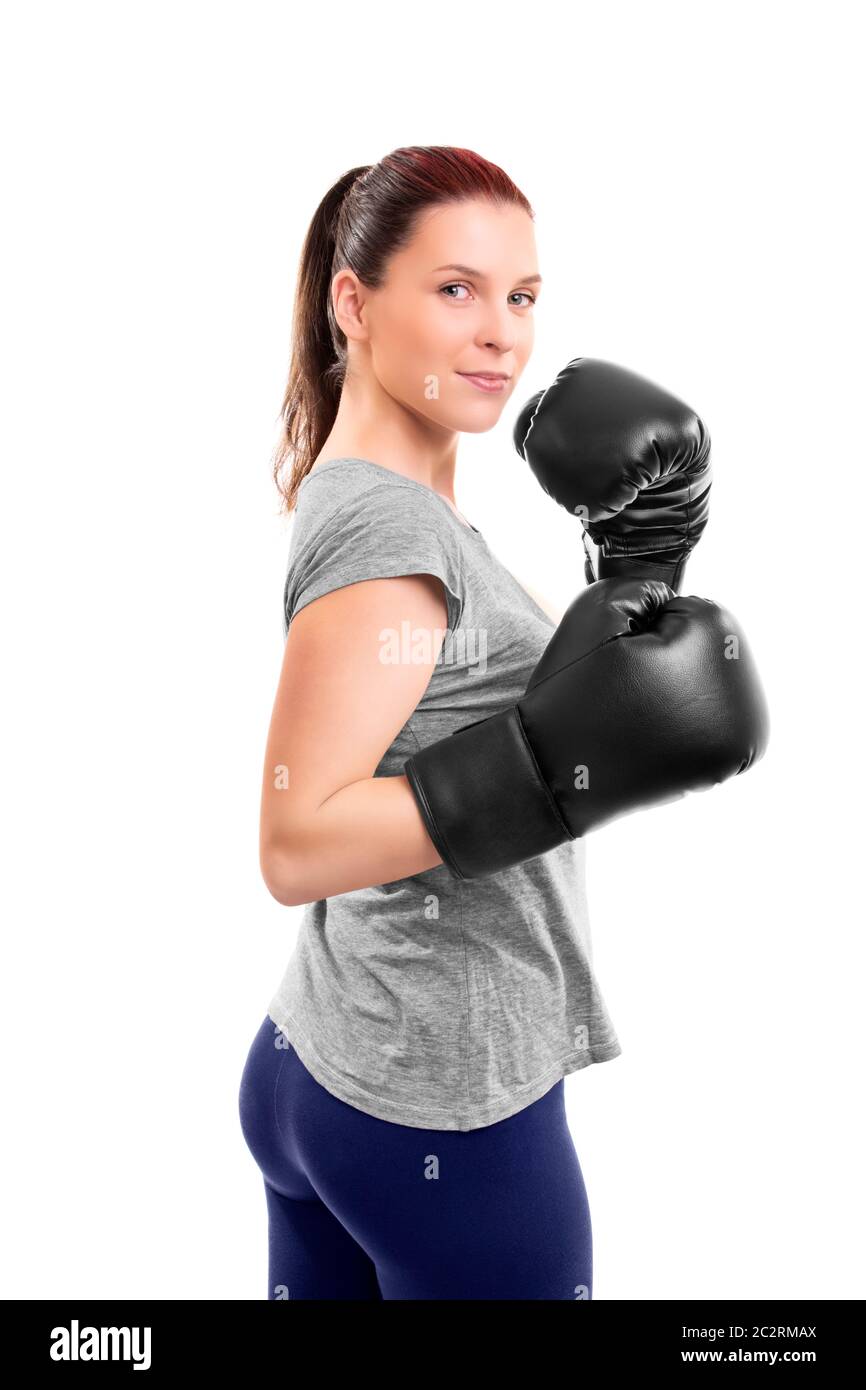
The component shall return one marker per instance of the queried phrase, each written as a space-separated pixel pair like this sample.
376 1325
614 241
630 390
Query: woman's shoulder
343 487
357 521
348 476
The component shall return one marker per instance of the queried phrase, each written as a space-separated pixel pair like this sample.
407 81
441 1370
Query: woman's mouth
485 382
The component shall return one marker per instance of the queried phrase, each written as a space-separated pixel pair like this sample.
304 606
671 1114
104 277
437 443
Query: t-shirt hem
420 1117
385 569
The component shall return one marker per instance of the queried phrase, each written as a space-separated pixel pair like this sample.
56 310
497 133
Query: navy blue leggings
362 1208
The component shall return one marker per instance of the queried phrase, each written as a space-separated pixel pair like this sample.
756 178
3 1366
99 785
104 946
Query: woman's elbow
281 873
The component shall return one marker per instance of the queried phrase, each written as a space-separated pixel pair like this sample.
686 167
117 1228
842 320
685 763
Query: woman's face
459 299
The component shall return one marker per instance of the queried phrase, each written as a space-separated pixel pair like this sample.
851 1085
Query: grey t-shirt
431 1001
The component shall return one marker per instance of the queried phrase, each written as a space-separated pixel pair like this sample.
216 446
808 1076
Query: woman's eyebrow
479 274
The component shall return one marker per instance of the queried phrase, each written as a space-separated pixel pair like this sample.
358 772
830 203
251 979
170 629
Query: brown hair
368 214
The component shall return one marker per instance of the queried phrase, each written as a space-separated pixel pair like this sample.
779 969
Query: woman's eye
453 287
518 294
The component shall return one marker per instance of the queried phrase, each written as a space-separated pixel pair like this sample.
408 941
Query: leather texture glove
626 457
638 698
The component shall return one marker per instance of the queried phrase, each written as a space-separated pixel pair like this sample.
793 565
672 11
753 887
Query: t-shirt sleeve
381 533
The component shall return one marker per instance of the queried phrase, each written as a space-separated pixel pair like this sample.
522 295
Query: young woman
403 1097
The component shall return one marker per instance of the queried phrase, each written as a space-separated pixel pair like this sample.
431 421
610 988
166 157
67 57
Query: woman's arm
327 824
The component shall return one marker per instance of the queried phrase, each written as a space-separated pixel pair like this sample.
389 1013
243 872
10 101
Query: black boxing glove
638 698
629 459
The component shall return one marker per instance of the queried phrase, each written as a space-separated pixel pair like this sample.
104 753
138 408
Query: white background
695 172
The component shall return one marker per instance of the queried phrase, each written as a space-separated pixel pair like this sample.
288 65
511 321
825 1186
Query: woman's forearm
364 834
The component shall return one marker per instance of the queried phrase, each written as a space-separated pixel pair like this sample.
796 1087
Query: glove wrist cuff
635 567
483 800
